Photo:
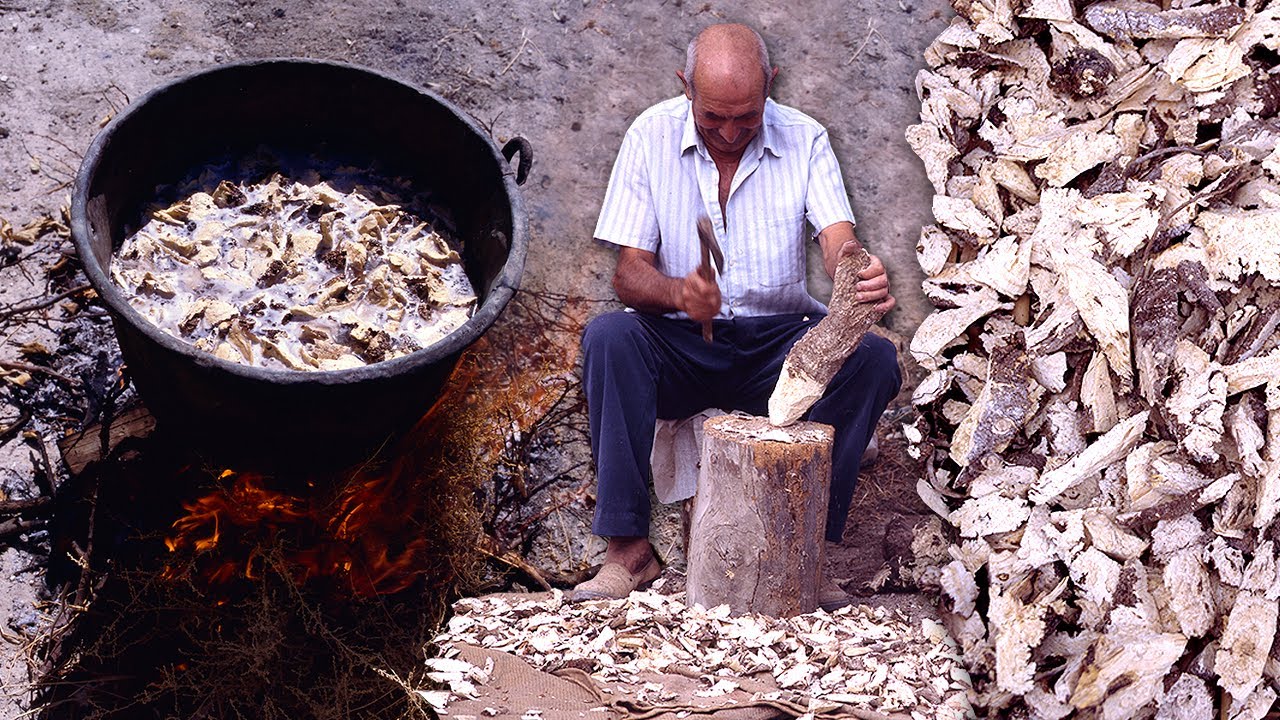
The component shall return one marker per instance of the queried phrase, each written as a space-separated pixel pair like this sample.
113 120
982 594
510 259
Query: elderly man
762 172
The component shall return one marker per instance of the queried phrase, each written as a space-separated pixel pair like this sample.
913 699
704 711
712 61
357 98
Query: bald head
730 56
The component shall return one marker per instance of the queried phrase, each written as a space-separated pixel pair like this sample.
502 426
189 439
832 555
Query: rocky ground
567 75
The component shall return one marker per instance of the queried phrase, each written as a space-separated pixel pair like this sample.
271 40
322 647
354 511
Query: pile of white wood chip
1101 421
865 657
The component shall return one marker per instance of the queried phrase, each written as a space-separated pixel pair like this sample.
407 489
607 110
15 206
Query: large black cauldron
341 113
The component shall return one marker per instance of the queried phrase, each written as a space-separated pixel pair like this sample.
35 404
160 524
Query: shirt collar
690 138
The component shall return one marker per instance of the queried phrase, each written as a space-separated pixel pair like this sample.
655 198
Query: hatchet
710 252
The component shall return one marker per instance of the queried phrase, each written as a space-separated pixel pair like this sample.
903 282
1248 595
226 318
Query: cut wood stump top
749 427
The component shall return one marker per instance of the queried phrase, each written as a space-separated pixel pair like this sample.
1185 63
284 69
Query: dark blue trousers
638 368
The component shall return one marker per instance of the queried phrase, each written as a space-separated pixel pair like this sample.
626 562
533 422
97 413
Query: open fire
364 531
229 531
363 528
331 583
374 530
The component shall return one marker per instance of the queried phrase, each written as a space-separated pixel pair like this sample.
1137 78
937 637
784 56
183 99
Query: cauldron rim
500 293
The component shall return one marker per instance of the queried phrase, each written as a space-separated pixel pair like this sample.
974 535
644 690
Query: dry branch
34 305
32 368
12 429
9 528
25 507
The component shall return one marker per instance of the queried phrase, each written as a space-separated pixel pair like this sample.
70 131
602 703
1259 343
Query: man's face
728 114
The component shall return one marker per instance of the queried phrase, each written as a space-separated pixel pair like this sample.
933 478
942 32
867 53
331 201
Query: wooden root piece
1001 407
1155 330
755 536
1124 670
820 354
1250 628
1111 447
1129 21
1269 488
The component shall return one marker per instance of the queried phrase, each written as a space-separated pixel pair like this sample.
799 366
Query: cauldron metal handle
519 145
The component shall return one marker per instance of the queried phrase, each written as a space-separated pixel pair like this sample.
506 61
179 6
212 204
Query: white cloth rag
677 456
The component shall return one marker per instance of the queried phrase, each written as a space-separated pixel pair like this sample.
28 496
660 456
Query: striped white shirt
788 177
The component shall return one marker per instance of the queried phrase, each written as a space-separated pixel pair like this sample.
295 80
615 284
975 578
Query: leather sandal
615 582
831 597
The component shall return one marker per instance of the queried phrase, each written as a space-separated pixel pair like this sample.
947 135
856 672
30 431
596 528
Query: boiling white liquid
294 275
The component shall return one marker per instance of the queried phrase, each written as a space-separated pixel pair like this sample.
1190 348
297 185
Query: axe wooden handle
705 271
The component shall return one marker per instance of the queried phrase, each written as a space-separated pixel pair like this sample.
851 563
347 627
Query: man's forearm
639 285
831 239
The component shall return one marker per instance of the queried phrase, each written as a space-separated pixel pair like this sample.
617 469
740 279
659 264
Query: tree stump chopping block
759 515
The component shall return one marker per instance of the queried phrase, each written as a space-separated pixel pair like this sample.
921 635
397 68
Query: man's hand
838 241
873 282
640 285
699 297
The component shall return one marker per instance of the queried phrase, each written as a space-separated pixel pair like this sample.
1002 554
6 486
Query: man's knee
873 364
871 375
881 361
609 330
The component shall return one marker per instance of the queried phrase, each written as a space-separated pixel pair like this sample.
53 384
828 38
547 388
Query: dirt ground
568 75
